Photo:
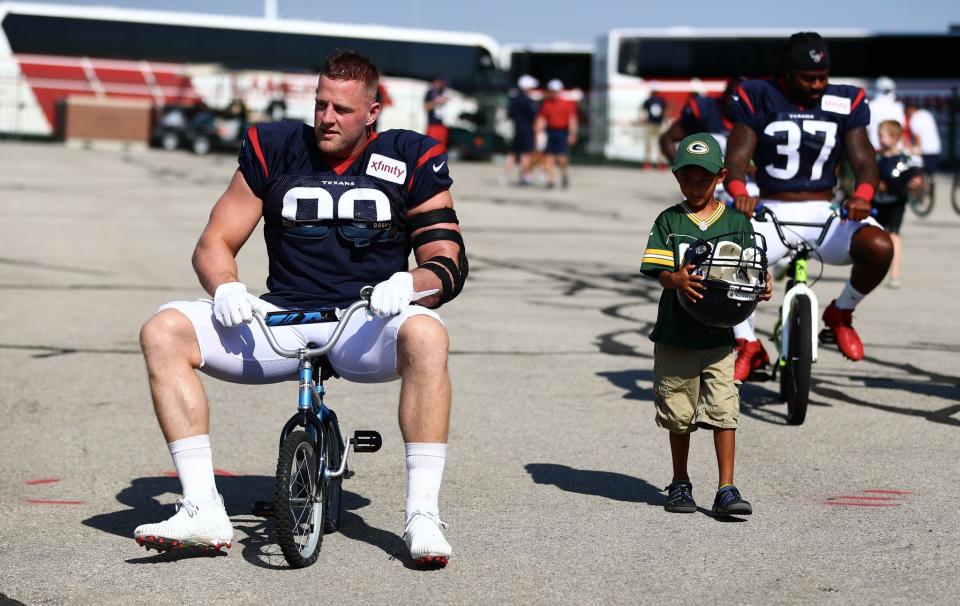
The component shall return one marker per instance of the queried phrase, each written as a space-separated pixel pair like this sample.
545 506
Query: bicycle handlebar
761 212
316 352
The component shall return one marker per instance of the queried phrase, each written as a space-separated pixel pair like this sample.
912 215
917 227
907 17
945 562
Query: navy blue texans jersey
705 115
331 229
798 147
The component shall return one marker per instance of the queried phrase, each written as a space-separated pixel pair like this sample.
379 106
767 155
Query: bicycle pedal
366 440
264 509
347 474
826 337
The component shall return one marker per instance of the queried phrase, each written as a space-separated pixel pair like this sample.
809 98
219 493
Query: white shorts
835 249
365 353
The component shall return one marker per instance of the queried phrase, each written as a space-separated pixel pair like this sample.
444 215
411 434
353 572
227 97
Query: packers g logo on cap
698 147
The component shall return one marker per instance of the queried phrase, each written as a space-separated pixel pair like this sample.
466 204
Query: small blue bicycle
313 457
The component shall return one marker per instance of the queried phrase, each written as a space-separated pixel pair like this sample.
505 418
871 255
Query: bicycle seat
322 367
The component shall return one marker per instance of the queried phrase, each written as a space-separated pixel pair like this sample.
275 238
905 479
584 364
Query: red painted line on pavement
889 491
52 502
852 504
861 498
42 481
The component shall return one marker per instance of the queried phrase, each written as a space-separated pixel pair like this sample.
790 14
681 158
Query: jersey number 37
791 147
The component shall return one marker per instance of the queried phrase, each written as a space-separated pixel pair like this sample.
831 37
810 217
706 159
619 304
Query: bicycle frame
312 413
798 265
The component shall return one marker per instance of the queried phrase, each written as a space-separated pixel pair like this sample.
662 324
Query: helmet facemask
734 277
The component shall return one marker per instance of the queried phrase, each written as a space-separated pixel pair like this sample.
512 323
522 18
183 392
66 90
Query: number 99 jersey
331 229
798 147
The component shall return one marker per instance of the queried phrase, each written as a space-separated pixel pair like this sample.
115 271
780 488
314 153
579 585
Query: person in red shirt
558 117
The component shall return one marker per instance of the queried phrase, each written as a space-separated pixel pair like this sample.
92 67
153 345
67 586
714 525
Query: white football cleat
425 539
205 526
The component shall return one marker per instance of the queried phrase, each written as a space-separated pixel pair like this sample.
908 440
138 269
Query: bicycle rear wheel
795 375
333 487
955 192
300 501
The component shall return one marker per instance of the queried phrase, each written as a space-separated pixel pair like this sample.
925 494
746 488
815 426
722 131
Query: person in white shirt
926 137
884 106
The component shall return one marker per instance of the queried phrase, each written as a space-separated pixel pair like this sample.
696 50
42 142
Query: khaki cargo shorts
694 388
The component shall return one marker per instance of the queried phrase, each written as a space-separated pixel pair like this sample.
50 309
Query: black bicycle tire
955 193
285 520
922 205
333 489
799 360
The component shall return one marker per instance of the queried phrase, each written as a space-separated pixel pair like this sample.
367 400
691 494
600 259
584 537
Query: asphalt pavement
553 485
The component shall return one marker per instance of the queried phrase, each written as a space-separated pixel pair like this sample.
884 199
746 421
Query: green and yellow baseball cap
701 150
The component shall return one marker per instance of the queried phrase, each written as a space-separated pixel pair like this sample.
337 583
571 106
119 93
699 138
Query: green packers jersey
672 232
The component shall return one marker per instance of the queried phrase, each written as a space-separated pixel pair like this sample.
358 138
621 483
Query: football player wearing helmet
795 127
696 250
342 207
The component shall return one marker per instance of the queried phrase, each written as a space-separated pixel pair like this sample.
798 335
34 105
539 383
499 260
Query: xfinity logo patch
387 169
835 104
699 148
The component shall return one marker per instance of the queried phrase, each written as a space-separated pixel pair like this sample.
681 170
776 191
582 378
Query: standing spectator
926 137
558 117
900 175
653 111
433 103
522 112
884 106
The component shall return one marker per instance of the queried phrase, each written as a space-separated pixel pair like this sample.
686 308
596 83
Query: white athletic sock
193 459
424 472
849 298
745 329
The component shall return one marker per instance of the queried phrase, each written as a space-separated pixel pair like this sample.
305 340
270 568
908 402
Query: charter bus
48 52
679 62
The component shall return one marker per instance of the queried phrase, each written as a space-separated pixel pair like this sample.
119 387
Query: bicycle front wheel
922 205
795 375
300 501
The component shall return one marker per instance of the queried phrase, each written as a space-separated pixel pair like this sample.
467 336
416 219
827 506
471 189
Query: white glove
233 305
392 296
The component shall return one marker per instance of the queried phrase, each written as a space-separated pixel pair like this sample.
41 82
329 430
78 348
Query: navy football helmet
734 269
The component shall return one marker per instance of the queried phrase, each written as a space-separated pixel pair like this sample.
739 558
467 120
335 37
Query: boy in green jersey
693 362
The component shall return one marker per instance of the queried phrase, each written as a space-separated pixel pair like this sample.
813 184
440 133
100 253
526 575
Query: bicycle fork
784 323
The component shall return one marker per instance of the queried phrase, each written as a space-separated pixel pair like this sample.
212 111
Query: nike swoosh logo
437 167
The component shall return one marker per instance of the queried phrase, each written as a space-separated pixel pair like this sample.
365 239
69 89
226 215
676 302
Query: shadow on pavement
608 484
140 497
239 493
724 518
629 381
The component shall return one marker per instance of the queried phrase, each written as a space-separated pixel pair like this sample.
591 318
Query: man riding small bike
795 127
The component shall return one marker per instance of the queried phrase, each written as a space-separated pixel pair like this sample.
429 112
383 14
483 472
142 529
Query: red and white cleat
840 323
205 526
425 539
750 356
